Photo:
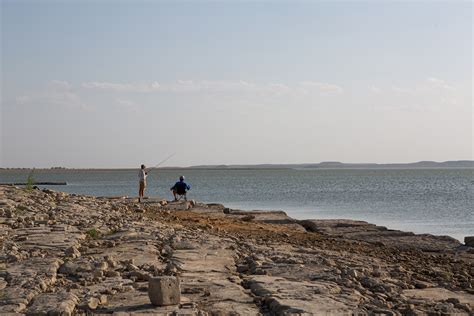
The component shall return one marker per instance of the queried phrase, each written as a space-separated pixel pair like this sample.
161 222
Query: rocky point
67 254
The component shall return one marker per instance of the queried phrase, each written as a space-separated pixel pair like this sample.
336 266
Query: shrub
93 233
30 181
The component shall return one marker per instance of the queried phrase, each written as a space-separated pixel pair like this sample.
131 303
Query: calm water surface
437 201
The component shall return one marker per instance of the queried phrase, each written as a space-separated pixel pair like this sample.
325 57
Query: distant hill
341 165
464 164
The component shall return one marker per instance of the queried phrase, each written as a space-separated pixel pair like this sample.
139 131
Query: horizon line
338 163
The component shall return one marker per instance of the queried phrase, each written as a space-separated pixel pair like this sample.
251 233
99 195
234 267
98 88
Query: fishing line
162 162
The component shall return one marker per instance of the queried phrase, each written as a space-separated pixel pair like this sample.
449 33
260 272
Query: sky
112 84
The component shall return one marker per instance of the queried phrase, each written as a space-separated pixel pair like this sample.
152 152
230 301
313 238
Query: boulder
72 252
164 290
61 303
90 304
248 218
68 268
469 241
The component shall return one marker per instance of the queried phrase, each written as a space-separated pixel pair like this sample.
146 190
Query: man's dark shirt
180 187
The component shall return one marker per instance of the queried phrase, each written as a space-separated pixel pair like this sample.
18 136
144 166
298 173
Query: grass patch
30 181
93 233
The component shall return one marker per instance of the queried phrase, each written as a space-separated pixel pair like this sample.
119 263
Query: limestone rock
3 283
68 268
103 299
72 252
341 267
167 250
53 304
469 241
248 218
93 302
112 274
164 290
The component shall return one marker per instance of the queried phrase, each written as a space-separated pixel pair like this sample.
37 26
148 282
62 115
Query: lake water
436 201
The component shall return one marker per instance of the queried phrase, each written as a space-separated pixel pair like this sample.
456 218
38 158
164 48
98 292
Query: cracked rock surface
67 254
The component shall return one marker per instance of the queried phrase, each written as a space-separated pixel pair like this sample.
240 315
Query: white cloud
57 92
62 93
185 82
426 94
210 86
431 85
23 99
59 85
401 90
127 105
435 80
213 86
323 87
122 87
278 88
439 83
375 89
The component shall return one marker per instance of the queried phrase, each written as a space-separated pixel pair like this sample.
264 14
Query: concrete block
164 290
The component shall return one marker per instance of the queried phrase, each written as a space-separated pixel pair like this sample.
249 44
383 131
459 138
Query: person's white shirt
142 175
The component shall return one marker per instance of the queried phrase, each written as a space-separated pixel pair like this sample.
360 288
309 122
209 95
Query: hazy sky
115 83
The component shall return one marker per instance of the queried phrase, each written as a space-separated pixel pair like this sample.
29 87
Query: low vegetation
30 182
93 233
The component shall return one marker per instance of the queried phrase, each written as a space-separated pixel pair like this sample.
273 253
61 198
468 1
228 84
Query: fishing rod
162 162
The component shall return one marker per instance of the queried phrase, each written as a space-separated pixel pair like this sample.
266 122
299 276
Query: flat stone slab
51 239
205 274
140 252
363 231
53 304
134 303
303 298
440 294
27 279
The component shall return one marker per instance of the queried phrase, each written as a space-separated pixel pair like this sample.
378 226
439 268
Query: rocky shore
66 254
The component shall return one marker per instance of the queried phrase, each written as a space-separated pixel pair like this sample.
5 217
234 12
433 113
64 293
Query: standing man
142 174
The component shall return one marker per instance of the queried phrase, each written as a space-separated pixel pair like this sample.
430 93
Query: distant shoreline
237 169
459 164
